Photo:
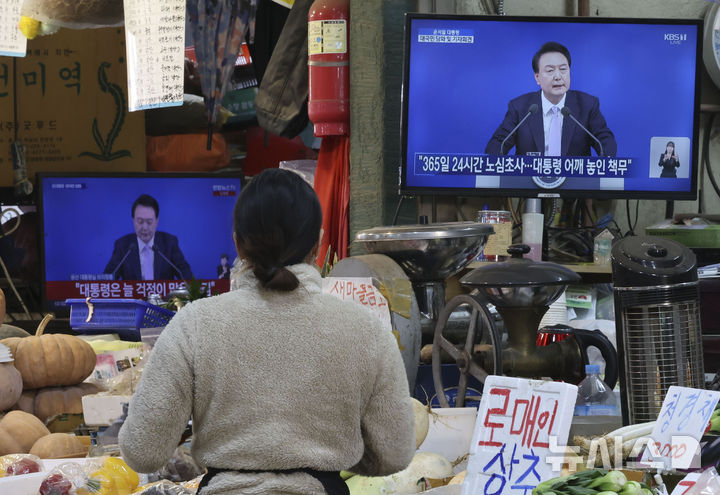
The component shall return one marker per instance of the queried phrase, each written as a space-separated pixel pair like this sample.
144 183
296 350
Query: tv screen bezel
405 190
41 176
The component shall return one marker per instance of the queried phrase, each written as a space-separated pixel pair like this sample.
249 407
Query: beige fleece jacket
273 381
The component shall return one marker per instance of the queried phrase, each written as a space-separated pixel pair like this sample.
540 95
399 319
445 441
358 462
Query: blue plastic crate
116 314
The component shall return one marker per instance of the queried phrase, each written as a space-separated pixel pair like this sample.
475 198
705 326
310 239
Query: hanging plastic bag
75 14
707 484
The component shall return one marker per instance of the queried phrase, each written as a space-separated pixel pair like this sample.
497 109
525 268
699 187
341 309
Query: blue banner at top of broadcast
445 35
565 166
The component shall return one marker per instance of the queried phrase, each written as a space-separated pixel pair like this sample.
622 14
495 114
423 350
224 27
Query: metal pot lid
653 254
446 230
519 271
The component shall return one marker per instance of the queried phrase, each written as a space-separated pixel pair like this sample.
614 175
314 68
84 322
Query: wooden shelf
576 267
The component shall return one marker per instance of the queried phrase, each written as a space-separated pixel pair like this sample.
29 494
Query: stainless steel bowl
431 252
528 295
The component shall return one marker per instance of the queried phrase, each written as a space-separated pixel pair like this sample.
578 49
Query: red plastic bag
186 153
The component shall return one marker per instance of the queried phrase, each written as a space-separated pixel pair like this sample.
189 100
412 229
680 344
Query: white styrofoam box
450 433
102 410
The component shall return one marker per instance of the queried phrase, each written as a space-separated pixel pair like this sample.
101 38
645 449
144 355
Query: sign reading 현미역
520 425
72 116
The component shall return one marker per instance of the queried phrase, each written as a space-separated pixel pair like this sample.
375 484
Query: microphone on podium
568 113
531 110
132 248
167 260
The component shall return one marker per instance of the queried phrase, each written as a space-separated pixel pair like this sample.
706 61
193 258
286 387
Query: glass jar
497 244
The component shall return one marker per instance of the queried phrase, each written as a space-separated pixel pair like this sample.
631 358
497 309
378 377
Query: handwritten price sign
680 425
519 423
362 291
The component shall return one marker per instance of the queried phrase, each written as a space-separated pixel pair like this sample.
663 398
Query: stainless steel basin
429 252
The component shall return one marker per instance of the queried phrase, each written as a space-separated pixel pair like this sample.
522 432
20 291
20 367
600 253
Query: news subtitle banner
517 166
124 289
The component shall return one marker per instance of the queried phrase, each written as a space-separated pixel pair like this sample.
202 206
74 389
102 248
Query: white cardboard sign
680 426
520 425
155 48
362 291
12 42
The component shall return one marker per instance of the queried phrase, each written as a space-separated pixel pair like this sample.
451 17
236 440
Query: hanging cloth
332 184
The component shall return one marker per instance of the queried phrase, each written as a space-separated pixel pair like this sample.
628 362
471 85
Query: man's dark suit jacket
130 269
530 137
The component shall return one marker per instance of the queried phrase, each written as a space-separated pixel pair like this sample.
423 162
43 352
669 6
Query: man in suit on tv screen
148 254
550 128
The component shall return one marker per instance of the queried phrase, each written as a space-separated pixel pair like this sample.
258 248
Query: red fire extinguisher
329 67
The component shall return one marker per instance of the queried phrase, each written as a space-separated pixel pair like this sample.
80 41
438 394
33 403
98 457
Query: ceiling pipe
584 8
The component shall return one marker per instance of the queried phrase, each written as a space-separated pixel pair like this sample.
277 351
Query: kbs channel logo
675 38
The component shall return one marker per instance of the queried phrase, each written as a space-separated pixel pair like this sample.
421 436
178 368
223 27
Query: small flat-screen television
127 236
478 96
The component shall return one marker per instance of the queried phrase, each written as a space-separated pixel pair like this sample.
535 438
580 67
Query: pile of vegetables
592 482
108 476
629 436
424 466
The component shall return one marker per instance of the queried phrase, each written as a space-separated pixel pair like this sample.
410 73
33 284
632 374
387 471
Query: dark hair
670 143
224 255
145 200
277 223
549 47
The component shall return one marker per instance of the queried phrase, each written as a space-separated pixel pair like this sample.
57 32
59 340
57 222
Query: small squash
51 401
51 360
19 431
11 385
59 446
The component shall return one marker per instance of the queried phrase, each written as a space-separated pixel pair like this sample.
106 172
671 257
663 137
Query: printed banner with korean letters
72 106
520 433
155 32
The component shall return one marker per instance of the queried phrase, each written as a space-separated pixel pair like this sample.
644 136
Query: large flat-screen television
478 96
127 236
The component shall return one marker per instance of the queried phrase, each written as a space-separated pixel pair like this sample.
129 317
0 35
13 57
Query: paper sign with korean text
686 484
155 35
12 42
520 433
362 291
72 115
680 425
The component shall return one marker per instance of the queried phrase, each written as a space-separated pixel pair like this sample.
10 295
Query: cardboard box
102 410
693 236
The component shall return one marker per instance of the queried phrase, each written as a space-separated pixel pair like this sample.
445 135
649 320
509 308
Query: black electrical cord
632 225
706 153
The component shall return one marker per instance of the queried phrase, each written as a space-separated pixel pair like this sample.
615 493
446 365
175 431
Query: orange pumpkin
10 385
19 431
51 401
51 360
59 446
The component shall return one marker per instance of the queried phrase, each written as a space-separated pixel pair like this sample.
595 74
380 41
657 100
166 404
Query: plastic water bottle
594 397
